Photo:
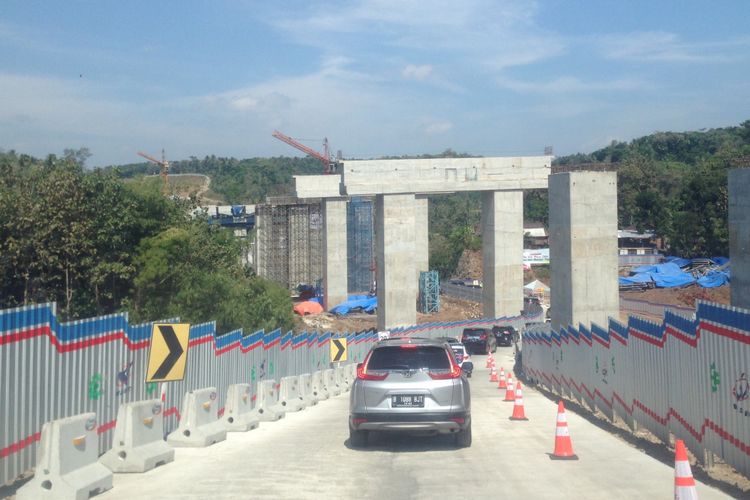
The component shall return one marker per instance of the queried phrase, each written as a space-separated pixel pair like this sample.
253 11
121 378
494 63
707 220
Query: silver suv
410 385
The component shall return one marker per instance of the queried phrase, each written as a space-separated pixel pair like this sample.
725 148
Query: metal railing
51 370
684 376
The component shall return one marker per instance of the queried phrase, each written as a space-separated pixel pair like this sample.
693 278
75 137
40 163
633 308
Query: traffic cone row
563 444
684 483
518 413
510 393
502 384
493 374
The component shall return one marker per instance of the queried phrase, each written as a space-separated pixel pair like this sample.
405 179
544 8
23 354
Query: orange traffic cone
493 374
563 444
518 413
684 484
510 393
501 384
490 360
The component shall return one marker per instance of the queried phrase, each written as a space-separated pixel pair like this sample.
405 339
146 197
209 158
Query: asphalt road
306 455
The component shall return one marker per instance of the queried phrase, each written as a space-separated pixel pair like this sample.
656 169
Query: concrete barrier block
289 394
67 465
342 378
267 407
329 381
318 386
199 424
352 371
306 389
238 410
138 443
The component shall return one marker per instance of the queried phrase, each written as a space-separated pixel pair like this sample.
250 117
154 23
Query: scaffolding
289 241
429 292
359 242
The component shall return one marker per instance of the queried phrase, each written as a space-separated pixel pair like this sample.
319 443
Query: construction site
289 243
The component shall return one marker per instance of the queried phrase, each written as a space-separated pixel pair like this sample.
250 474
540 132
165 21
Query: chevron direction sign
168 355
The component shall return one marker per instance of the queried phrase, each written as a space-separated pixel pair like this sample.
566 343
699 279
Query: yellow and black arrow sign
168 355
338 350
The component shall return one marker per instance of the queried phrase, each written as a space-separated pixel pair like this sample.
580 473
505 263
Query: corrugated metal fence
50 370
687 377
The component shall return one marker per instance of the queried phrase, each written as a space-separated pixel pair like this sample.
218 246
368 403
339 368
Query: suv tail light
455 371
362 371
483 336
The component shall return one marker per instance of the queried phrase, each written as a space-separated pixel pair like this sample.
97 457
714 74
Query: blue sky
377 77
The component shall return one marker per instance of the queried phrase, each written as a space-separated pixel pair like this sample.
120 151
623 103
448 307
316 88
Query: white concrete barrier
329 382
238 410
318 386
306 389
289 394
267 407
138 443
66 466
352 372
199 424
342 380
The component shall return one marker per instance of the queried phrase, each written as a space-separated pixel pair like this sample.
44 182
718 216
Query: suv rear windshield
474 332
409 358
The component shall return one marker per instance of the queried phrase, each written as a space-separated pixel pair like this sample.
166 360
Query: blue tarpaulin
680 262
356 303
713 279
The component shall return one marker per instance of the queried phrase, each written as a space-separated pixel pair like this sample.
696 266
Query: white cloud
414 72
659 46
438 127
567 84
492 34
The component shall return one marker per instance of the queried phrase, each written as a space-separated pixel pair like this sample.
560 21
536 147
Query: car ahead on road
505 335
410 385
462 355
479 340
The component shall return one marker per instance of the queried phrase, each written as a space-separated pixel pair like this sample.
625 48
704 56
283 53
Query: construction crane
329 165
164 164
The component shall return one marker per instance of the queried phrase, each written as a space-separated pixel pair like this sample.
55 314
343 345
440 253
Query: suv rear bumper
442 423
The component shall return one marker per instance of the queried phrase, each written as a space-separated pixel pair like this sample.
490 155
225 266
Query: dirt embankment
451 309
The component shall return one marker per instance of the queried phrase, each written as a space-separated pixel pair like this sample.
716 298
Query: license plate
407 401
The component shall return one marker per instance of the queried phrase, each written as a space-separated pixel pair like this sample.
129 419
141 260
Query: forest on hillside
672 183
98 245
106 240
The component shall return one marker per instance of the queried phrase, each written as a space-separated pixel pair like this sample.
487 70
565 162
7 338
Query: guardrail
687 377
50 370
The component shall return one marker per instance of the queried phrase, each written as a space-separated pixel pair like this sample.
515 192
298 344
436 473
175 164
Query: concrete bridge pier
422 241
395 236
583 248
335 270
502 253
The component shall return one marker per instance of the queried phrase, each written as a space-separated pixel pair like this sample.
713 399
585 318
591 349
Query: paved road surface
306 455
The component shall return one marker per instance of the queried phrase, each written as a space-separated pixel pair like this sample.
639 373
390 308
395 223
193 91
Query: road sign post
338 350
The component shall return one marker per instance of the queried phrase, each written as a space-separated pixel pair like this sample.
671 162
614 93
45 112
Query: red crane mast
164 164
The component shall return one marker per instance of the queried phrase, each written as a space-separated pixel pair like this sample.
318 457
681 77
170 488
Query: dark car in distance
479 340
505 335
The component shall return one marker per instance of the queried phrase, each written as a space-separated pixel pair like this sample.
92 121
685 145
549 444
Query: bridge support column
739 236
395 235
334 252
583 248
422 243
502 253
